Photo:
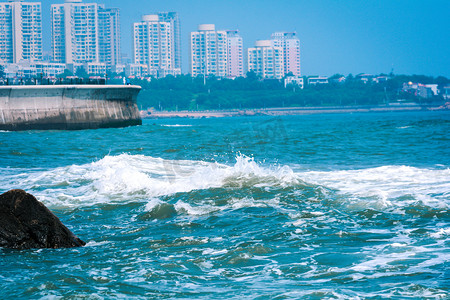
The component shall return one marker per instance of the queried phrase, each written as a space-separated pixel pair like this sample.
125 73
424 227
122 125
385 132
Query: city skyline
406 37
350 36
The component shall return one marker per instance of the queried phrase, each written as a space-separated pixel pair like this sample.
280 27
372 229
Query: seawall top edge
70 86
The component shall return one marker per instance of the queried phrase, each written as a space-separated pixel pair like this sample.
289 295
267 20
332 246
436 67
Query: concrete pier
68 107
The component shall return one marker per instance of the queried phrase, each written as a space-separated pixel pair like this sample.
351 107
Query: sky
336 36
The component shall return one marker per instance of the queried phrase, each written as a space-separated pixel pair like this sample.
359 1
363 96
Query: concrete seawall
68 107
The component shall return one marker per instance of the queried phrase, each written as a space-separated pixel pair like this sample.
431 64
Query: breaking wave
136 177
388 186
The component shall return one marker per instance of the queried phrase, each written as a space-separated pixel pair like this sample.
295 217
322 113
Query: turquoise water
311 207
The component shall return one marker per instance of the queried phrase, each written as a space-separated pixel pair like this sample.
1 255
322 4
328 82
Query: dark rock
26 223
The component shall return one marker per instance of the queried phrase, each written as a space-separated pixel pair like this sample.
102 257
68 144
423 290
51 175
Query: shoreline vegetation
186 96
285 111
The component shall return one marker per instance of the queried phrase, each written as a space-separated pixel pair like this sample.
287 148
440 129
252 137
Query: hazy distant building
20 31
235 54
290 44
174 20
29 69
266 60
138 70
421 90
294 81
208 51
154 46
313 80
428 90
49 69
85 33
446 92
109 36
75 32
94 68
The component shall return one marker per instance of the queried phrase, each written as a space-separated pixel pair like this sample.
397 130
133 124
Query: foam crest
176 125
133 177
127 177
247 172
388 186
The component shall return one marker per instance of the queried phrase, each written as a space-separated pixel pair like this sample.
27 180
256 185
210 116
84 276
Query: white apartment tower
154 46
85 33
266 60
208 51
290 44
235 56
109 36
174 20
20 31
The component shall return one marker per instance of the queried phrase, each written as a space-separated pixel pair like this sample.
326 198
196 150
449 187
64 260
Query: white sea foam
95 244
136 177
152 203
176 125
214 252
126 177
443 232
398 245
182 207
387 186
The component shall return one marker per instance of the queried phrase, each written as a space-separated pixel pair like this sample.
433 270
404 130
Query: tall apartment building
85 33
290 44
235 54
154 45
208 51
20 31
266 60
109 36
174 20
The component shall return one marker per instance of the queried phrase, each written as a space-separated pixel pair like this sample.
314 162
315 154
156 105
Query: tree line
184 92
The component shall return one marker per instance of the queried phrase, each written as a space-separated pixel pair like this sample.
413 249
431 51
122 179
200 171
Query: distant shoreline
284 111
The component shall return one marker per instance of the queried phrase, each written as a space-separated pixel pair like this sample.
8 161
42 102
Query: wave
388 186
176 125
127 177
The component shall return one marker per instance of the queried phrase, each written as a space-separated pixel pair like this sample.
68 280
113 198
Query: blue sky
337 36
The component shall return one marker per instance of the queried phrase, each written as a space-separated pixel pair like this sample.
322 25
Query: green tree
81 72
186 92
65 74
442 81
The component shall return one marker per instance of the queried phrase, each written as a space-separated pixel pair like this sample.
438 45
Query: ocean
330 206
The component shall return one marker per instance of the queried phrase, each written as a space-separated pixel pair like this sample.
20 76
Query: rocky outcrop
26 223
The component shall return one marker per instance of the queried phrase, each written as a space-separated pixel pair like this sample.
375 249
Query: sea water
317 206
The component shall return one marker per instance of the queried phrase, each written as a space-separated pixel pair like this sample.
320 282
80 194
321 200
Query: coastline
284 111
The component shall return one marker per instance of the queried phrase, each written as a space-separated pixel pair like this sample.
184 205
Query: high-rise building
153 45
174 20
85 33
75 32
109 36
235 56
20 31
208 51
290 44
266 60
